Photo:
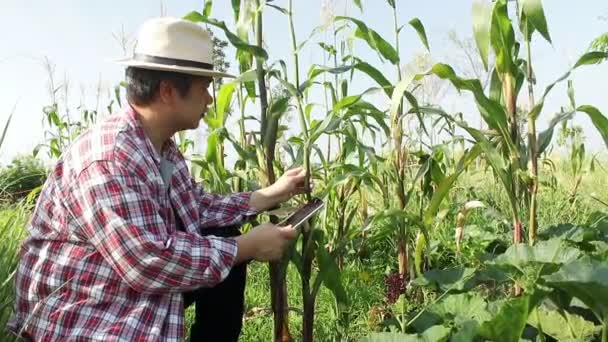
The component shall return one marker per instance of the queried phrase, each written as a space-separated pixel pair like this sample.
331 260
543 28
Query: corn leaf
535 15
417 25
373 39
444 187
482 20
598 119
237 42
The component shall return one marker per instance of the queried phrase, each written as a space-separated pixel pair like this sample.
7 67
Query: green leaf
492 112
598 119
585 279
245 20
275 111
544 138
447 183
236 8
364 67
554 251
278 8
495 87
365 109
400 89
569 232
421 243
466 332
224 100
564 326
377 76
373 39
456 279
212 148
328 48
494 157
482 19
437 333
232 38
508 325
593 57
194 16
571 96
502 39
533 10
245 155
346 102
330 274
462 307
417 25
8 122
328 124
317 70
207 8
296 259
358 4
247 76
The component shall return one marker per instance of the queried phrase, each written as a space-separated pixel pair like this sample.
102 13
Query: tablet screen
304 213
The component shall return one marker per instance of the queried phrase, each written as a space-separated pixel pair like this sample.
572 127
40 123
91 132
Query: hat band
171 61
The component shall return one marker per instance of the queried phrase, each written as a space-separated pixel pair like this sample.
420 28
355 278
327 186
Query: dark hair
143 84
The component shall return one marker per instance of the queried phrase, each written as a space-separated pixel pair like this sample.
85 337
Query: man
121 232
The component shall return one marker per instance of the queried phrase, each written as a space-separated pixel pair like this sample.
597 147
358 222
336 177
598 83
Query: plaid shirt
103 259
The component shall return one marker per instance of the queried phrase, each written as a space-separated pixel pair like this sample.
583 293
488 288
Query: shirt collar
169 149
166 160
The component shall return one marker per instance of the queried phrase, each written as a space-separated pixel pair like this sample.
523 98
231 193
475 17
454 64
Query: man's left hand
291 183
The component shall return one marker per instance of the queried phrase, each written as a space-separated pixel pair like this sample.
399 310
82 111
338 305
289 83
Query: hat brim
174 68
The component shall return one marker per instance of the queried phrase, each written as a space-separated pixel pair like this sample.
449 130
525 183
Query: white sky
77 37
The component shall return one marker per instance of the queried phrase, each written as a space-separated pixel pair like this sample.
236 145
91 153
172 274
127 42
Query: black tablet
303 213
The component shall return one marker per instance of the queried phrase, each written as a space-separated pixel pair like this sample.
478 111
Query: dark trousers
219 309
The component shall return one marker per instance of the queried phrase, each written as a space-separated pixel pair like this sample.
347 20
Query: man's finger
299 177
294 171
288 232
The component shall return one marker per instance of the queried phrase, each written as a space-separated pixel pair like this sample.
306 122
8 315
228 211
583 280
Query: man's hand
265 242
290 184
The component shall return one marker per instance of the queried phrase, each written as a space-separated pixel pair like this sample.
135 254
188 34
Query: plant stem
532 150
308 298
278 287
605 331
302 117
399 163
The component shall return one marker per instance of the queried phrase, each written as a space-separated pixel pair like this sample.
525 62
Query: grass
363 277
12 221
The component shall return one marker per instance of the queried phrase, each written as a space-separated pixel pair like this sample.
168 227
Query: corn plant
414 176
503 146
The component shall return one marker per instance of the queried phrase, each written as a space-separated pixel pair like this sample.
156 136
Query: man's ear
166 92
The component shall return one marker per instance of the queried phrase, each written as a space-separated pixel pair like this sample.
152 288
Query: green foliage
21 177
393 193
12 222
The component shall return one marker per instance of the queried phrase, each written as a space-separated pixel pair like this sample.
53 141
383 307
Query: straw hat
173 44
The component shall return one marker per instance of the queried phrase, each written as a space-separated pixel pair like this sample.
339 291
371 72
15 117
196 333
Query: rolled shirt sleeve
223 210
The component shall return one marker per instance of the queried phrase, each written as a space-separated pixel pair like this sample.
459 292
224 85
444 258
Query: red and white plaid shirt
103 259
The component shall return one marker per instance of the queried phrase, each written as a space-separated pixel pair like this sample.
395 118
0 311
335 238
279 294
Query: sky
77 37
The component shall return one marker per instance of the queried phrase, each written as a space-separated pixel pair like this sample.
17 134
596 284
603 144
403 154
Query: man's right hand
266 242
